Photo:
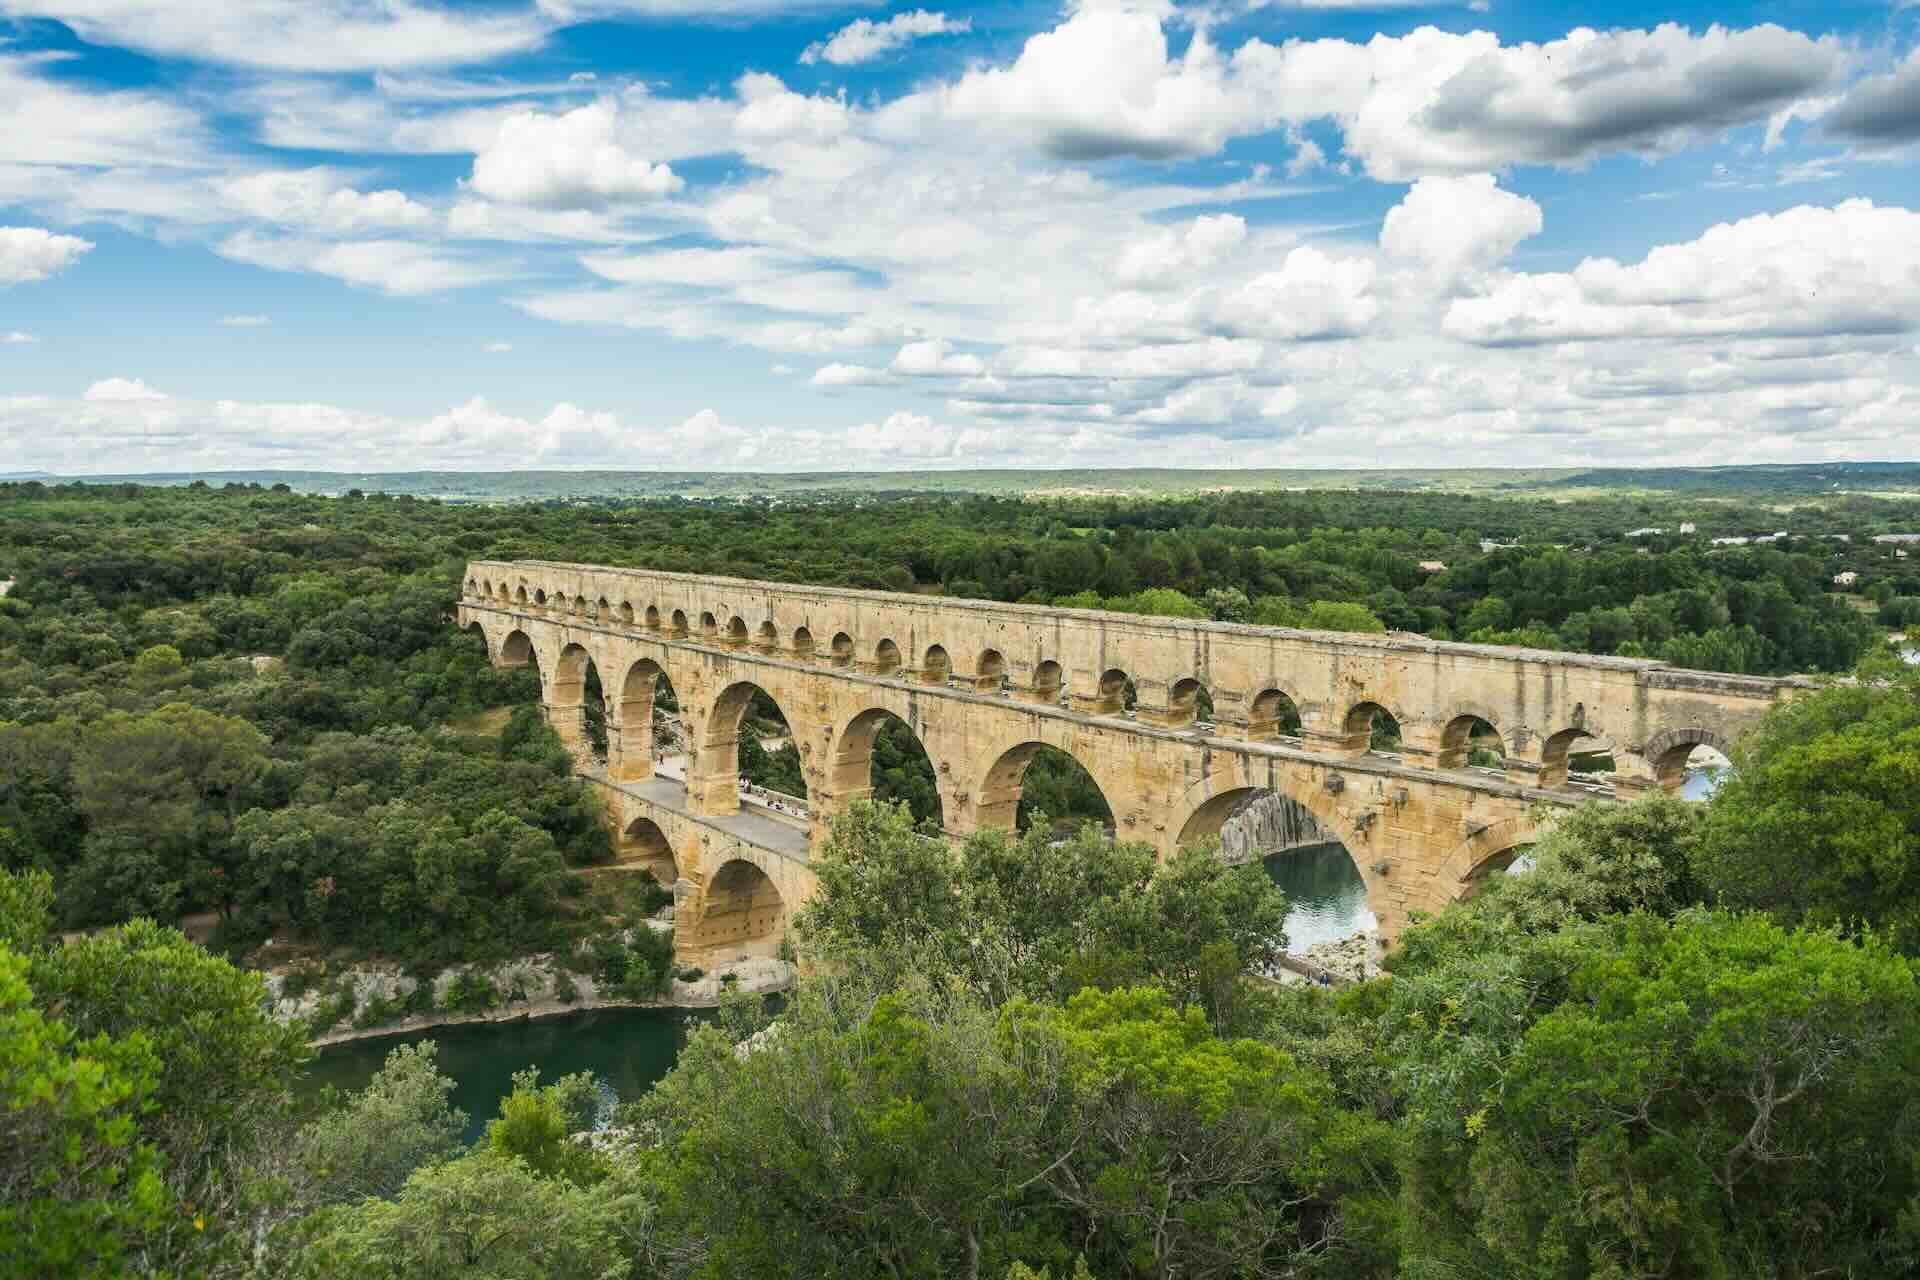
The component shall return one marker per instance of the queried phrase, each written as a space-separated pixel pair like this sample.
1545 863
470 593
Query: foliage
537 1125
370 1144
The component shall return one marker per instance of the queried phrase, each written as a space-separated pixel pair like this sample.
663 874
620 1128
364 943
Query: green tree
370 1144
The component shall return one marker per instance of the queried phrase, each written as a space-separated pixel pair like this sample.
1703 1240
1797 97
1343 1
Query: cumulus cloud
85 126
1455 227
1171 257
1809 271
29 254
298 35
934 358
319 199
863 39
848 375
575 159
1312 295
122 389
1881 110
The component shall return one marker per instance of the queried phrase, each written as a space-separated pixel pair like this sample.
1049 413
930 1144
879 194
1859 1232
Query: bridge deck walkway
752 825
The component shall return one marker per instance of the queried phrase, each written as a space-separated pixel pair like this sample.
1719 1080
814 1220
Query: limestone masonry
985 685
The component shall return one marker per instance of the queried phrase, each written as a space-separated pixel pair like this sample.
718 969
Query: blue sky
754 234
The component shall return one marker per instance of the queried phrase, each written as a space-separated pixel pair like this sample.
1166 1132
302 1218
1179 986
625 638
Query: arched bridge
1178 722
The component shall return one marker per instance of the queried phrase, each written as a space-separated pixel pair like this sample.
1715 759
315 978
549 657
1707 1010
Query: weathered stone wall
1268 823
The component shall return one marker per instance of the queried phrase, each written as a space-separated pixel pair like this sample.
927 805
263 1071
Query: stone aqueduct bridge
986 685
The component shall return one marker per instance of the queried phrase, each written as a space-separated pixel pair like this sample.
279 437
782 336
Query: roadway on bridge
756 824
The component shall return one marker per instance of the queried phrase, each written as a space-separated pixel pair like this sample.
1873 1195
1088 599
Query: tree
1639 1096
1337 615
370 1144
79 1188
1820 820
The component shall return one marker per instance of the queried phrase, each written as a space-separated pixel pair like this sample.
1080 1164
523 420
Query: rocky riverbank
1354 958
383 1000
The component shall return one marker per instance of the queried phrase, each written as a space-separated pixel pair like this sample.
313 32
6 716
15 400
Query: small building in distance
1847 579
1687 526
1896 537
1643 533
1433 566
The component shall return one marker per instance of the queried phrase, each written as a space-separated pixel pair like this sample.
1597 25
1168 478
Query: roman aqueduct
984 686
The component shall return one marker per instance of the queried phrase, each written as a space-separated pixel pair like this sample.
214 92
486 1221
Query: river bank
373 1000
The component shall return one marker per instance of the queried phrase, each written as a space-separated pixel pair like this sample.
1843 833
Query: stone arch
1468 864
1110 696
990 671
842 649
1049 681
576 704
645 844
603 612
474 628
631 733
740 907
709 625
520 596
1207 804
886 658
558 600
652 617
486 587
737 633
936 667
997 798
1359 726
1668 750
1273 713
473 585
1188 701
719 746
802 642
505 596
678 623
851 770
767 638
626 612
516 650
1458 737
1556 750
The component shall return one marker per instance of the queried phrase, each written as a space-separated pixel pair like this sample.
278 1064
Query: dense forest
1680 1045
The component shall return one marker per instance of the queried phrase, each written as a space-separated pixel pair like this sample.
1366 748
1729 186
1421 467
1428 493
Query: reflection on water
1326 898
625 1049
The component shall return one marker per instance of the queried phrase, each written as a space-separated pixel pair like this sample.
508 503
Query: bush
471 992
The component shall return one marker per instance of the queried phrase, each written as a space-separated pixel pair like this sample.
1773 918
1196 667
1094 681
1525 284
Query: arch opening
652 617
1574 755
1371 727
520 596
749 753
936 667
1325 887
577 706
767 638
1114 694
1188 702
1273 714
626 613
1049 682
740 910
802 643
709 625
879 755
842 649
644 844
648 725
886 658
516 650
737 632
1034 780
1471 742
679 622
990 671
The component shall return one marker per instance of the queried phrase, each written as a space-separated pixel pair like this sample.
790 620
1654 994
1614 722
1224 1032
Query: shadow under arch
516 650
1033 778
1668 751
1470 739
644 844
577 703
879 755
1486 851
740 908
645 727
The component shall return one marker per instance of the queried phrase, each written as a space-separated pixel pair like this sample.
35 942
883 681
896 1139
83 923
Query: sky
778 235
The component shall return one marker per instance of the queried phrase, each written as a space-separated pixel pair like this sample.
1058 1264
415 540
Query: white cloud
1455 227
17 338
1850 269
863 39
320 200
935 357
297 35
1312 295
247 321
399 267
848 375
576 159
1172 257
497 348
29 254
79 126
122 389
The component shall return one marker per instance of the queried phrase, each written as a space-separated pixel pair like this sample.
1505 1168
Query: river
1326 898
625 1049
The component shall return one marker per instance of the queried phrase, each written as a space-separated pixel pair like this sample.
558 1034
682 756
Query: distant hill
522 486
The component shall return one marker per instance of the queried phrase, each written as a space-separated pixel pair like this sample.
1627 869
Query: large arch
717 772
1487 850
997 802
643 843
633 740
516 650
866 747
576 704
1667 752
740 909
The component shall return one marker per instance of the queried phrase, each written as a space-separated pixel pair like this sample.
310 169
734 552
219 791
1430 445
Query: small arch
603 612
1049 682
737 632
505 596
1034 778
842 649
1115 695
486 587
990 671
878 754
1669 753
520 597
936 667
1187 702
646 844
886 658
1371 727
626 612
679 622
769 636
652 617
579 606
1471 741
741 908
1273 714
802 642
473 585
709 626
